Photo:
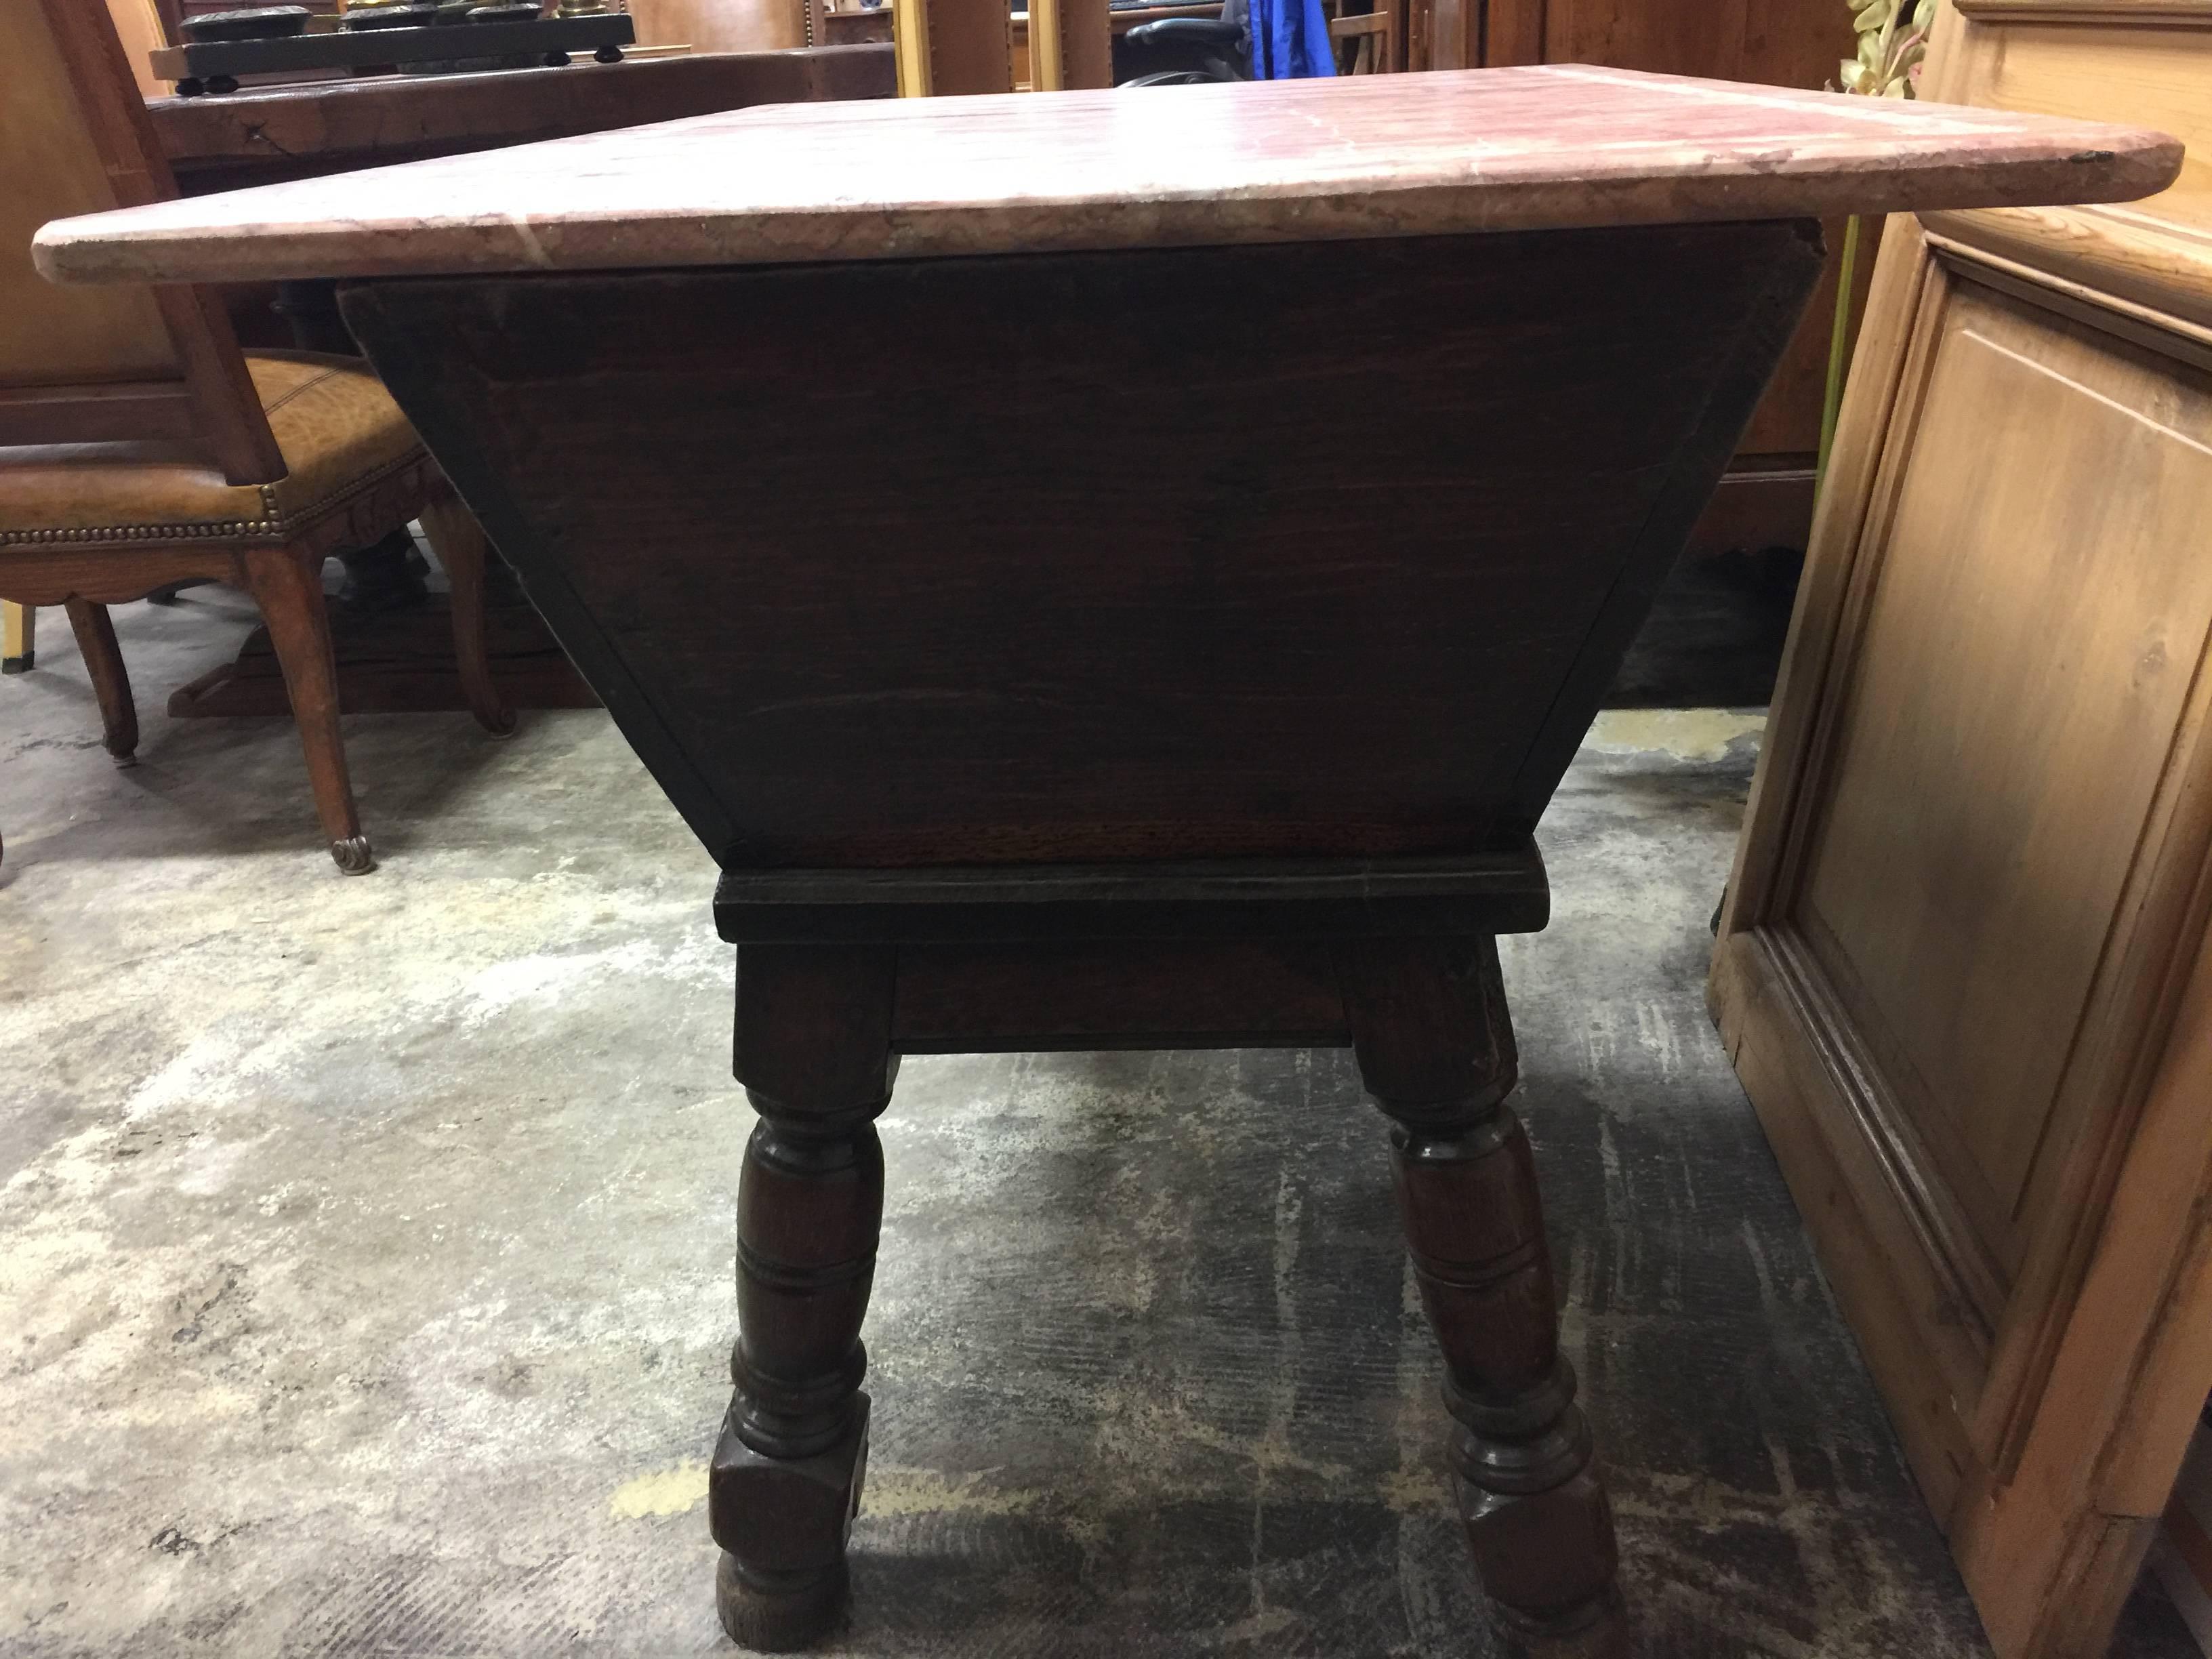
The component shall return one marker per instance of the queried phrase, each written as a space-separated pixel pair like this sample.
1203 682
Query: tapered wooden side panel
1123 589
1779 43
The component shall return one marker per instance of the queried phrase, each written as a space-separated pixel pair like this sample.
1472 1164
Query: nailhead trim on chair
138 532
268 527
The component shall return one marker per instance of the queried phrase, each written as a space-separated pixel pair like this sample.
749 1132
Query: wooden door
1963 966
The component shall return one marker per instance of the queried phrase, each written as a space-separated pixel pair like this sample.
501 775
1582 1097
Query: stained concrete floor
365 1250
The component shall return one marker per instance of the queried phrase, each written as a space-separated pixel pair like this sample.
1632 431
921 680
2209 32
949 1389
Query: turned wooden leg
287 585
461 547
110 683
813 1048
1435 1047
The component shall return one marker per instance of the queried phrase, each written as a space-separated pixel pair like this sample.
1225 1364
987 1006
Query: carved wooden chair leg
813 1050
287 583
460 543
1435 1047
110 683
19 637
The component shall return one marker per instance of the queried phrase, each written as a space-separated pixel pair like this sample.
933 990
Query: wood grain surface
1031 630
1964 962
1474 150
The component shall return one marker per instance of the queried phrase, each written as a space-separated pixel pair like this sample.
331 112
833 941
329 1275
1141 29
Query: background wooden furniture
1118 24
398 662
1268 769
1767 499
1371 38
953 47
725 26
256 137
193 477
1964 966
1071 44
177 12
19 637
142 27
965 47
869 25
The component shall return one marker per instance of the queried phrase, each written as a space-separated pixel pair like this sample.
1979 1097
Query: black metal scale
274 41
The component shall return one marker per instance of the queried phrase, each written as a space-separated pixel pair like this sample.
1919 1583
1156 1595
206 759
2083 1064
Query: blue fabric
1289 40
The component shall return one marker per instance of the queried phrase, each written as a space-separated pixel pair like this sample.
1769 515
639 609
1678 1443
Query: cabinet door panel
1965 965
1992 778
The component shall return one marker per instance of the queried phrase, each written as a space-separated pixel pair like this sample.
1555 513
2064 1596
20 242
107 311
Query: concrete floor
365 1249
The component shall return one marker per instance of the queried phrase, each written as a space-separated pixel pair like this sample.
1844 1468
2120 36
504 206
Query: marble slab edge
96 249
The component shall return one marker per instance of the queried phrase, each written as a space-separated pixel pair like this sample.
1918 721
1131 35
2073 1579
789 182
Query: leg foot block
778 1612
782 1523
1599 1628
1542 1544
352 855
787 1517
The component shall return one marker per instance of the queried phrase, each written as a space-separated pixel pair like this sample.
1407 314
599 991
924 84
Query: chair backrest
141 25
94 364
1372 39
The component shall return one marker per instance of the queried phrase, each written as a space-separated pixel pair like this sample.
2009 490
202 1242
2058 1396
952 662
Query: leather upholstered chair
139 447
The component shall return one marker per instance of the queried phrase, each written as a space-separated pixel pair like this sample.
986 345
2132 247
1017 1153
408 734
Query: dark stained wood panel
1779 43
1119 580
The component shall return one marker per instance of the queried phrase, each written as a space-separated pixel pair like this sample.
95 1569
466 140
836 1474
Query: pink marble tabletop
1379 155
